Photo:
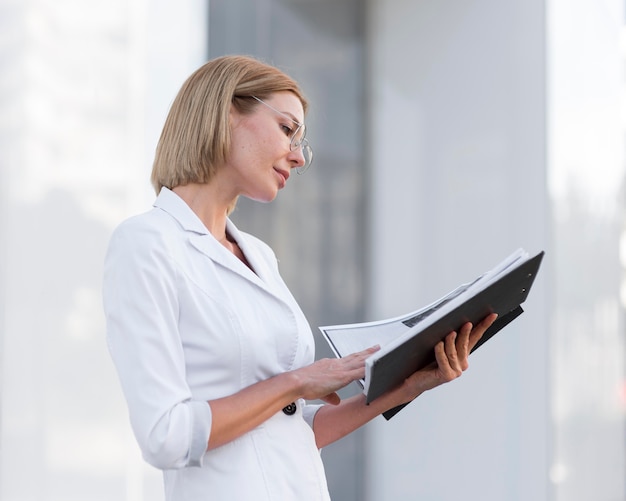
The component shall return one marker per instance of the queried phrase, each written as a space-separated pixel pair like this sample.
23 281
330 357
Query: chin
265 198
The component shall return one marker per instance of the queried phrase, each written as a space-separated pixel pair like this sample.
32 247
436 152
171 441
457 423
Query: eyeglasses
297 139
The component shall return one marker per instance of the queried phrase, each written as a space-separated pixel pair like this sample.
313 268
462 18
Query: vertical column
458 181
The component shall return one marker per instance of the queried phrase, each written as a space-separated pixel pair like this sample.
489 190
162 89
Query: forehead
288 103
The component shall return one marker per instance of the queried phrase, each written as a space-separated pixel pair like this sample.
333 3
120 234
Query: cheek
242 150
250 140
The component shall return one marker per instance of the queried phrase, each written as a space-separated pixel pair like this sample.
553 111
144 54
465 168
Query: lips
284 174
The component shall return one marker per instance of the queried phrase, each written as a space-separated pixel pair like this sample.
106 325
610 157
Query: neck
211 208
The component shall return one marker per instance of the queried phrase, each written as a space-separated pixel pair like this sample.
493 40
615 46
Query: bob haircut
196 136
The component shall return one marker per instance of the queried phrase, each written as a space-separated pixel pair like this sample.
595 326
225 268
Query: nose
296 158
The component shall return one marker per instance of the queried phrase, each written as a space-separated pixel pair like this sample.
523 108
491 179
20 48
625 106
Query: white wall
458 141
86 86
495 126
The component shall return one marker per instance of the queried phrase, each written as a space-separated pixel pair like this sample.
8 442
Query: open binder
407 342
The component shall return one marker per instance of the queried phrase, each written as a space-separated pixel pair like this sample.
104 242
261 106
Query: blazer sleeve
141 309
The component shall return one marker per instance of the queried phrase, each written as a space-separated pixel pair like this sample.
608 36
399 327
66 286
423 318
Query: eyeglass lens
307 153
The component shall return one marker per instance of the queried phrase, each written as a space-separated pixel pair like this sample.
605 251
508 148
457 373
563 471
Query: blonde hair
196 135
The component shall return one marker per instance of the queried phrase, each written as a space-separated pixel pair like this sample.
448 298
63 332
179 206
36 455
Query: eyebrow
288 114
293 117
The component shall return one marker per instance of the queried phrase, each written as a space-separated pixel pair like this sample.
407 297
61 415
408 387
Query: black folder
504 297
420 331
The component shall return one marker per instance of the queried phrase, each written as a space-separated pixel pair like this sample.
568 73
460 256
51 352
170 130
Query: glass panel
79 94
586 135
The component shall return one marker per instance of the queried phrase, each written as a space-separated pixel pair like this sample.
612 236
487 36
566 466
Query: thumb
332 398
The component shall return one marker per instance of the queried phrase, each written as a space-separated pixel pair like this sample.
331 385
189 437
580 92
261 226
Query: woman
215 357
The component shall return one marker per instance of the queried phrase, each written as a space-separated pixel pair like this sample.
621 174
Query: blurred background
447 134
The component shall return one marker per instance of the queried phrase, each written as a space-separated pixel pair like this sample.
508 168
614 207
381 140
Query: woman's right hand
322 379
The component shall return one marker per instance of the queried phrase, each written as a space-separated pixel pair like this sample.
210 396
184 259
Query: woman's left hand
451 360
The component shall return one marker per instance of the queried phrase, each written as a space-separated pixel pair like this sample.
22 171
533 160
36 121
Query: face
261 160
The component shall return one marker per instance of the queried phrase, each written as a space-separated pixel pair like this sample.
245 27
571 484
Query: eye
287 130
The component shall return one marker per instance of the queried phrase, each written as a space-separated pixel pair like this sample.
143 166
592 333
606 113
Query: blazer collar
206 243
176 207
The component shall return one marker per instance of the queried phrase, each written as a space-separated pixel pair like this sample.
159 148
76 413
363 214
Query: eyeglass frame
294 144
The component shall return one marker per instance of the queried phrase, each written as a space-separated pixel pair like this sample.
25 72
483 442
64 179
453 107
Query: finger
441 357
353 373
358 359
462 343
487 322
447 373
480 329
451 351
366 353
347 369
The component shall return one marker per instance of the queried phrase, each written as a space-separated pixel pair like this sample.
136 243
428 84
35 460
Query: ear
234 116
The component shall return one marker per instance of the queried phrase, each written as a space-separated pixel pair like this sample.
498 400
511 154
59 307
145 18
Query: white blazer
188 322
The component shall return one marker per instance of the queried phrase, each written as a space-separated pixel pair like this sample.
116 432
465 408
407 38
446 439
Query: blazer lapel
208 245
259 265
216 252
